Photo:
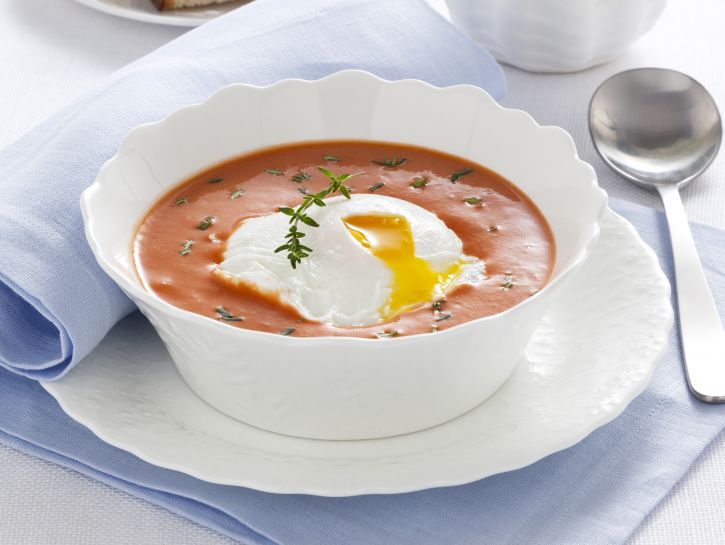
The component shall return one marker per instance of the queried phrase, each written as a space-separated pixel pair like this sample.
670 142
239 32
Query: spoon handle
703 339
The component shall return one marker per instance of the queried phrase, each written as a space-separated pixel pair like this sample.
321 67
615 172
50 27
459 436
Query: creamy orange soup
182 239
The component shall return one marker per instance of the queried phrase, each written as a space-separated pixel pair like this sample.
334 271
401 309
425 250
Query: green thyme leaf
508 282
301 176
492 228
186 247
390 163
227 316
215 180
437 305
296 251
307 220
472 200
274 172
420 181
182 200
388 333
288 331
376 186
302 190
459 174
236 194
206 223
333 158
440 316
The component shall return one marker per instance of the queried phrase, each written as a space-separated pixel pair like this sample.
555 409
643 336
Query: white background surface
53 51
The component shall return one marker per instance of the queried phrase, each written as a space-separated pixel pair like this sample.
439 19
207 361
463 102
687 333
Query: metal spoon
661 129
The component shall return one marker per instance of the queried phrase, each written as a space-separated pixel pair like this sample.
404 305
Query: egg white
341 282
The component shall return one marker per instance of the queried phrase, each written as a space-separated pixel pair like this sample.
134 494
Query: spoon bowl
661 129
655 126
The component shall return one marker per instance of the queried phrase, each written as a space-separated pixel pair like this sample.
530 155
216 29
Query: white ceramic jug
555 35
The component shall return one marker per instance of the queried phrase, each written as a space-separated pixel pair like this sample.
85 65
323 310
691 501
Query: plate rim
175 19
327 490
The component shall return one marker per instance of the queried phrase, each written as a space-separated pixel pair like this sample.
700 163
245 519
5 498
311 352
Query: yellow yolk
390 239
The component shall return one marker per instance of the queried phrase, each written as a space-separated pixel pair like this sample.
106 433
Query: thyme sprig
296 251
206 223
391 162
457 175
226 316
420 181
300 177
186 247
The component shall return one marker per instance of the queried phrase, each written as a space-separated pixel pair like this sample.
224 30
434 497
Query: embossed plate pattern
592 354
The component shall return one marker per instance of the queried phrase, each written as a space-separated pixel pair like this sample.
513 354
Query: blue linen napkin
594 493
55 302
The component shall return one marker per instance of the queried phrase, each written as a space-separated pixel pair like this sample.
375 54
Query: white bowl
555 35
339 387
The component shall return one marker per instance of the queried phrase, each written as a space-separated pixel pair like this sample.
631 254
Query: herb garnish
376 186
215 180
182 200
206 223
508 282
334 158
391 163
288 331
420 181
472 200
302 190
301 176
296 251
186 247
388 333
226 316
274 172
458 174
438 314
236 194
492 228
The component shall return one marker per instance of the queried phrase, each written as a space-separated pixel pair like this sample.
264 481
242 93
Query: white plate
592 354
144 10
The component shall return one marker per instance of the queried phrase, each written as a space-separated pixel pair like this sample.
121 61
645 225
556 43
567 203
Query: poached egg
373 258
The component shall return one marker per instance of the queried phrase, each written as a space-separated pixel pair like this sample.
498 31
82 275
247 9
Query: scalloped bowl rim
136 290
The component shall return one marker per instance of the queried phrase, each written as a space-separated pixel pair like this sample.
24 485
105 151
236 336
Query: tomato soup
182 241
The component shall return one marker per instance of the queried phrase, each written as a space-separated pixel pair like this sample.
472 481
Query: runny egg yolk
390 239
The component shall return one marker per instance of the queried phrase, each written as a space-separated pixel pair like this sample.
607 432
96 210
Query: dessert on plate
164 5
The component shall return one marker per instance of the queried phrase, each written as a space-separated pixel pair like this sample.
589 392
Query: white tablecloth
52 51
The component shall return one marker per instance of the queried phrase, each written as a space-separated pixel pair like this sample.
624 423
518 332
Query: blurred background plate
144 10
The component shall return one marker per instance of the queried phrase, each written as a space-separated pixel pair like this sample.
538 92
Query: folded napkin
594 493
55 302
